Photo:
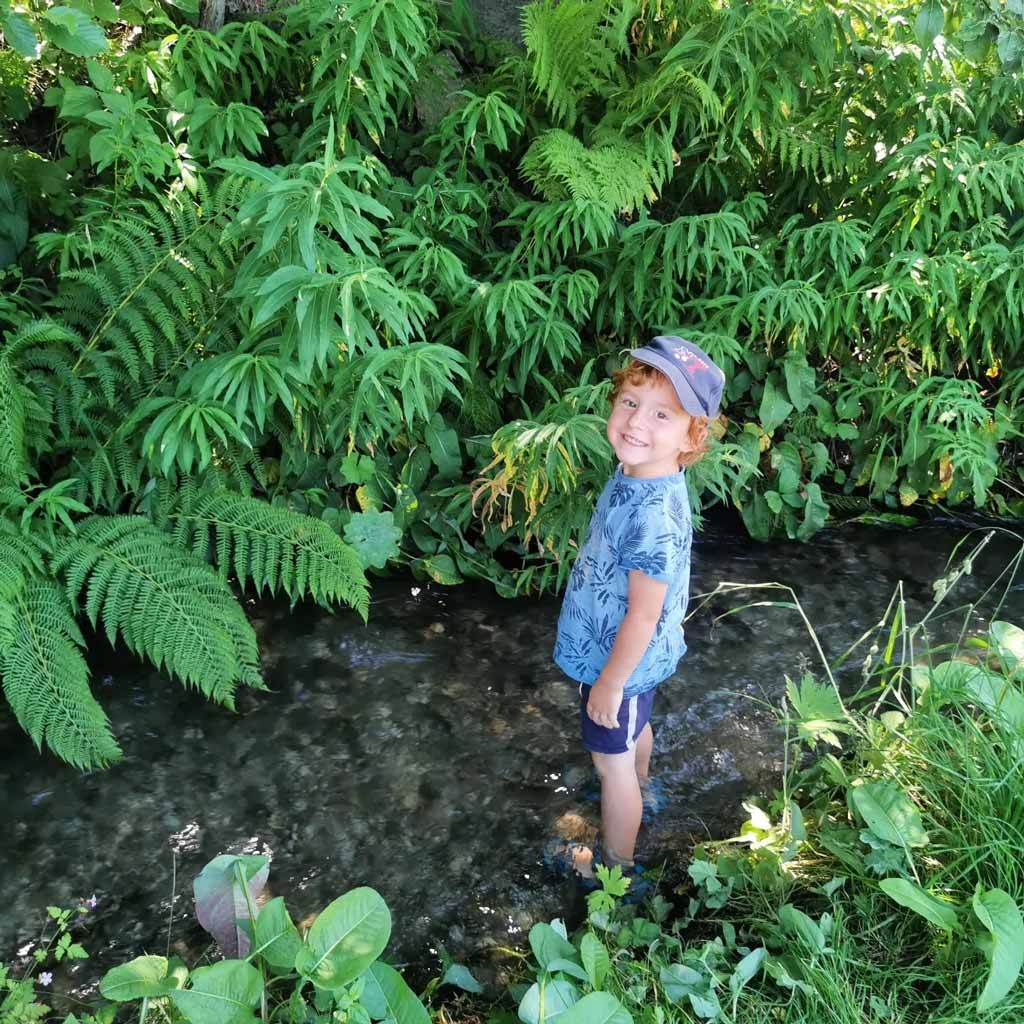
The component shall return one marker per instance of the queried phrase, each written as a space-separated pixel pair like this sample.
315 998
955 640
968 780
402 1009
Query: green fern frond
20 558
616 173
155 275
46 679
273 548
561 39
166 604
13 461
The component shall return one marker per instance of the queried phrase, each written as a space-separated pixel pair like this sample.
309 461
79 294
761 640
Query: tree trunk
213 15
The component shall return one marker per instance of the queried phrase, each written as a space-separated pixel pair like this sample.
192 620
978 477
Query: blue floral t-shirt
638 524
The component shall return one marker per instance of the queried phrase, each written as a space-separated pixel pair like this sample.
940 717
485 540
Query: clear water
430 754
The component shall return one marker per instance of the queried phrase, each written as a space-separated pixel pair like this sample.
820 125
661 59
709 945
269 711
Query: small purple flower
91 902
46 978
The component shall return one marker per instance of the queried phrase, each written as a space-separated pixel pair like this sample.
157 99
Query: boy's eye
662 415
629 402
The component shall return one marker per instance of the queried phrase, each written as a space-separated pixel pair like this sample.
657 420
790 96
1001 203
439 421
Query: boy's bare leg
643 748
621 805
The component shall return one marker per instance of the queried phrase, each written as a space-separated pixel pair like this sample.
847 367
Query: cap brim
684 392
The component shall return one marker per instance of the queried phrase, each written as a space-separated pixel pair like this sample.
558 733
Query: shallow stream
430 753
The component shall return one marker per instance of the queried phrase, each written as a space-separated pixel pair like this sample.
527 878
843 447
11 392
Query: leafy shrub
248 268
332 970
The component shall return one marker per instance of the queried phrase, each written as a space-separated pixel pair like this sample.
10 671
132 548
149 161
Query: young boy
620 629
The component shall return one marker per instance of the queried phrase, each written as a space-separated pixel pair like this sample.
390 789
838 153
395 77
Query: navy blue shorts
634 714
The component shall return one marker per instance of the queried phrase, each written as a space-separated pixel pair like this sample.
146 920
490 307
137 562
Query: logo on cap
689 359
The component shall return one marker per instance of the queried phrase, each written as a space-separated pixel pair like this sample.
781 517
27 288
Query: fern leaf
559 36
13 463
615 172
274 548
166 604
46 679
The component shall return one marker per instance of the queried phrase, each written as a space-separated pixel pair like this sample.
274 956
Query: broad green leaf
548 945
705 1004
19 34
597 1008
1001 917
441 569
1008 641
225 993
460 976
100 75
595 959
443 443
797 828
800 380
345 939
357 468
275 936
570 967
910 895
546 1001
805 928
78 100
929 22
816 512
221 902
959 680
890 814
73 30
145 977
679 981
746 970
774 407
387 997
374 536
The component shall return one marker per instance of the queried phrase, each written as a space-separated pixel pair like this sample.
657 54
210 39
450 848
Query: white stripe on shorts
631 725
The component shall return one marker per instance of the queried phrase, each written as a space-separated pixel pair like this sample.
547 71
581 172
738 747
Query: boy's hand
603 705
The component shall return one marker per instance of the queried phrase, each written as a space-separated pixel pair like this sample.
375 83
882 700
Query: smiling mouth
634 441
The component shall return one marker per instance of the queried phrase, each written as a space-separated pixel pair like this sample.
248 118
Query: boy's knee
612 766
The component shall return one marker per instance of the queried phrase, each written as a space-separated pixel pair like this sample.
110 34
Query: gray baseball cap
697 381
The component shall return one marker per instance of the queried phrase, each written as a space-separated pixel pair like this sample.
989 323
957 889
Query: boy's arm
646 599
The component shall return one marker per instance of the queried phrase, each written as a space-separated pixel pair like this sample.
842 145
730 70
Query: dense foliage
339 284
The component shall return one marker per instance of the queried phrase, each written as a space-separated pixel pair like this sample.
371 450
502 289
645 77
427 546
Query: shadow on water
429 754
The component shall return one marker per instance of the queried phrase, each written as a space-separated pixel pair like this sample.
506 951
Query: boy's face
648 428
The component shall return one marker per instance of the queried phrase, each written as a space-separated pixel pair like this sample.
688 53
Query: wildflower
91 902
46 978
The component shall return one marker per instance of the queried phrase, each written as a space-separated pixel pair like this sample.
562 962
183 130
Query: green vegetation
329 972
336 287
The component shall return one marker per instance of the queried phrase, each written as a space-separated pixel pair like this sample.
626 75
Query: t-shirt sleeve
655 537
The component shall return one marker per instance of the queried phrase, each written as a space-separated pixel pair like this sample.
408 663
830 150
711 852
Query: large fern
166 604
615 172
45 677
562 38
271 548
